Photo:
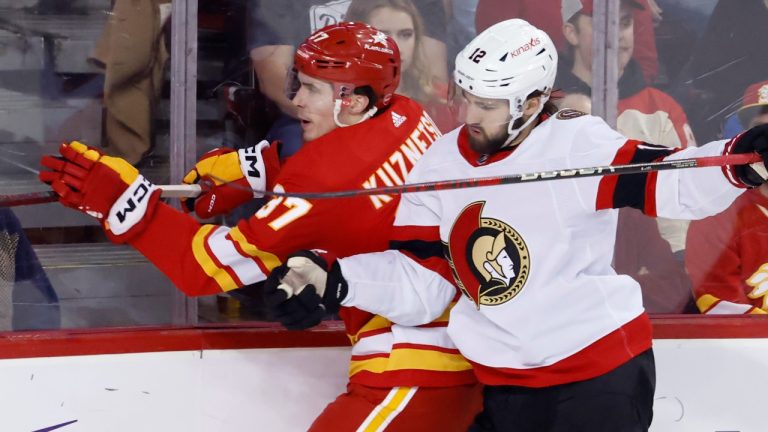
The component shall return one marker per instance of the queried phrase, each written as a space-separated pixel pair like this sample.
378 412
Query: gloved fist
306 287
753 140
107 188
233 178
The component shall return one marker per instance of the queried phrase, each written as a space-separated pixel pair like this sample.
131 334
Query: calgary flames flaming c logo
489 259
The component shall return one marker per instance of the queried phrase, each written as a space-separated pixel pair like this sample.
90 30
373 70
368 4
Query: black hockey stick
639 168
607 170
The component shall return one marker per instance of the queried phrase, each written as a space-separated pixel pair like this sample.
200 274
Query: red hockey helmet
352 55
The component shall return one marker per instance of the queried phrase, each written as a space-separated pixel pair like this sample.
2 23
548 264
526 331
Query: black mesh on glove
753 140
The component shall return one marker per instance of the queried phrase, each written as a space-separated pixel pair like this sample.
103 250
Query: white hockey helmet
510 60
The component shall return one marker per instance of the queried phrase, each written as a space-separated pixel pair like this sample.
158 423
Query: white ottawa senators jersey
541 303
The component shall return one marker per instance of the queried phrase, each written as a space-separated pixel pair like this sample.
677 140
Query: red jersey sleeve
208 259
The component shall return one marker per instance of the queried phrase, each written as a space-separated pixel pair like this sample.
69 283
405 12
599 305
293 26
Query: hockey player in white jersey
561 341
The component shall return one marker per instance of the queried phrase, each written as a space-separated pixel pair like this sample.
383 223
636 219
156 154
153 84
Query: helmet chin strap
337 111
513 133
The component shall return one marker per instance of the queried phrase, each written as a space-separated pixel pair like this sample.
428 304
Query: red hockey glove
234 177
304 289
107 188
753 140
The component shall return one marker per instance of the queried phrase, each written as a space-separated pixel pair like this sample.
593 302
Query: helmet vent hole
540 52
329 64
504 57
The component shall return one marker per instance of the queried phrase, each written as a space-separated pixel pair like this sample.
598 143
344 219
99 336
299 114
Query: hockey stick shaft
168 191
189 191
639 168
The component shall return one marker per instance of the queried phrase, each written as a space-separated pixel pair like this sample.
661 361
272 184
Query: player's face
399 26
582 39
583 47
314 103
487 121
626 36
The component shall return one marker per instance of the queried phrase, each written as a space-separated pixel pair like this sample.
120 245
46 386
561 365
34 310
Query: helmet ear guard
342 94
510 60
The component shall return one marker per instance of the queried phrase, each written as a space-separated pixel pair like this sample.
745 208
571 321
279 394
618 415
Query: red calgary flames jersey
378 152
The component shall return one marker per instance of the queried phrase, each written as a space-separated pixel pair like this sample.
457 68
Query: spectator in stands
753 111
277 27
639 104
544 14
132 54
27 299
727 254
642 253
728 57
645 113
402 21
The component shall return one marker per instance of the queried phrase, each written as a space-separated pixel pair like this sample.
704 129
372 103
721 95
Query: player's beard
491 144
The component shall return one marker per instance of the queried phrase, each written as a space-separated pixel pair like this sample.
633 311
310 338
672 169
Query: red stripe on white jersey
607 188
604 355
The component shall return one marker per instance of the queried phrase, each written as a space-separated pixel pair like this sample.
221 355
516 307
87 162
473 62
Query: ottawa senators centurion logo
489 259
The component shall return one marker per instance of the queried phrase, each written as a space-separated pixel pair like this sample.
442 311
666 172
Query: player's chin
308 133
480 144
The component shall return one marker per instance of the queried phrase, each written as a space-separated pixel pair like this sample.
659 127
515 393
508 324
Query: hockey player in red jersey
561 341
358 135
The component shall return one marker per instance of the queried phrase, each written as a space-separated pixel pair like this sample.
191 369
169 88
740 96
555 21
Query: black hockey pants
618 401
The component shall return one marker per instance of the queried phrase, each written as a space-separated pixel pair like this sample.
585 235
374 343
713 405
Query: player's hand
107 188
753 140
304 289
232 178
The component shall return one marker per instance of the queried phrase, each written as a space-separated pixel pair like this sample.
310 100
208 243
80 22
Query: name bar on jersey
395 169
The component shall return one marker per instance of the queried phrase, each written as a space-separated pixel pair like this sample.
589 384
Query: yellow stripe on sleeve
269 260
209 266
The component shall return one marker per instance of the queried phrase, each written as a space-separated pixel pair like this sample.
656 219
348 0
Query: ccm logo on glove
129 207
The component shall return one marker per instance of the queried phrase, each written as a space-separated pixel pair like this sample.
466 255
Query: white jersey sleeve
396 287
678 194
411 284
697 192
